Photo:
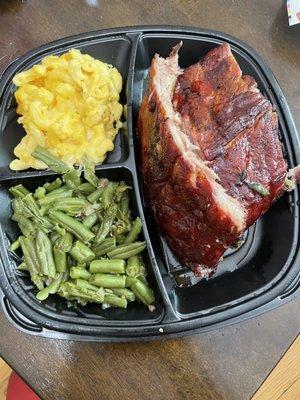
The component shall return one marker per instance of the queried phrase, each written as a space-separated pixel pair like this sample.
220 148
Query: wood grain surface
283 383
5 372
226 364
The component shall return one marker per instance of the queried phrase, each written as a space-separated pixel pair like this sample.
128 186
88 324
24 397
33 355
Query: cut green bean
60 259
50 160
65 242
70 205
82 284
121 188
108 219
22 267
30 255
89 173
53 185
15 245
72 178
107 266
104 247
71 291
72 225
39 193
37 280
79 273
19 191
25 225
52 288
42 223
124 251
95 196
133 266
81 252
86 188
108 193
115 301
141 290
134 231
108 281
90 220
119 228
45 254
127 293
53 196
124 204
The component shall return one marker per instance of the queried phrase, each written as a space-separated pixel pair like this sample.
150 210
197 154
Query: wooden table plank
283 383
5 372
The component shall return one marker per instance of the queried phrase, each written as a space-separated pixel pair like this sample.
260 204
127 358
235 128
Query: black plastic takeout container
262 274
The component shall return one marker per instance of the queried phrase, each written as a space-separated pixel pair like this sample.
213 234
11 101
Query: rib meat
211 158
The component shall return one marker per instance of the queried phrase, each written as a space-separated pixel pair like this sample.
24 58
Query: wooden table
229 363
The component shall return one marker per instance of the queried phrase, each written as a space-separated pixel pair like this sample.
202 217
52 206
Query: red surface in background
18 390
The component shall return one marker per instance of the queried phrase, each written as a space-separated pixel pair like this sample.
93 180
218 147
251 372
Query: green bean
42 223
65 242
106 224
124 204
108 281
141 290
82 284
15 245
95 196
30 255
72 178
134 231
79 273
90 220
89 172
60 259
28 206
119 227
81 252
121 188
120 239
39 193
19 191
86 188
133 266
45 254
69 290
124 251
123 217
72 225
52 288
37 280
115 301
22 267
108 193
107 266
25 225
45 209
53 185
53 196
70 205
127 293
50 160
95 228
102 248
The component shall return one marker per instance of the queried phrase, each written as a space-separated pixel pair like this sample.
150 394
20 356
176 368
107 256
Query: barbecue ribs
211 157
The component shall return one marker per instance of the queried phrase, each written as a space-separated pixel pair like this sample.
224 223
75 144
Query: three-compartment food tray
262 274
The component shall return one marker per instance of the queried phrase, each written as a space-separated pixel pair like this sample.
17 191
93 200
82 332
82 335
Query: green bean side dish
78 238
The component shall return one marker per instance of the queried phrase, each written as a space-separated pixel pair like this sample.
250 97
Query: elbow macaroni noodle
69 104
